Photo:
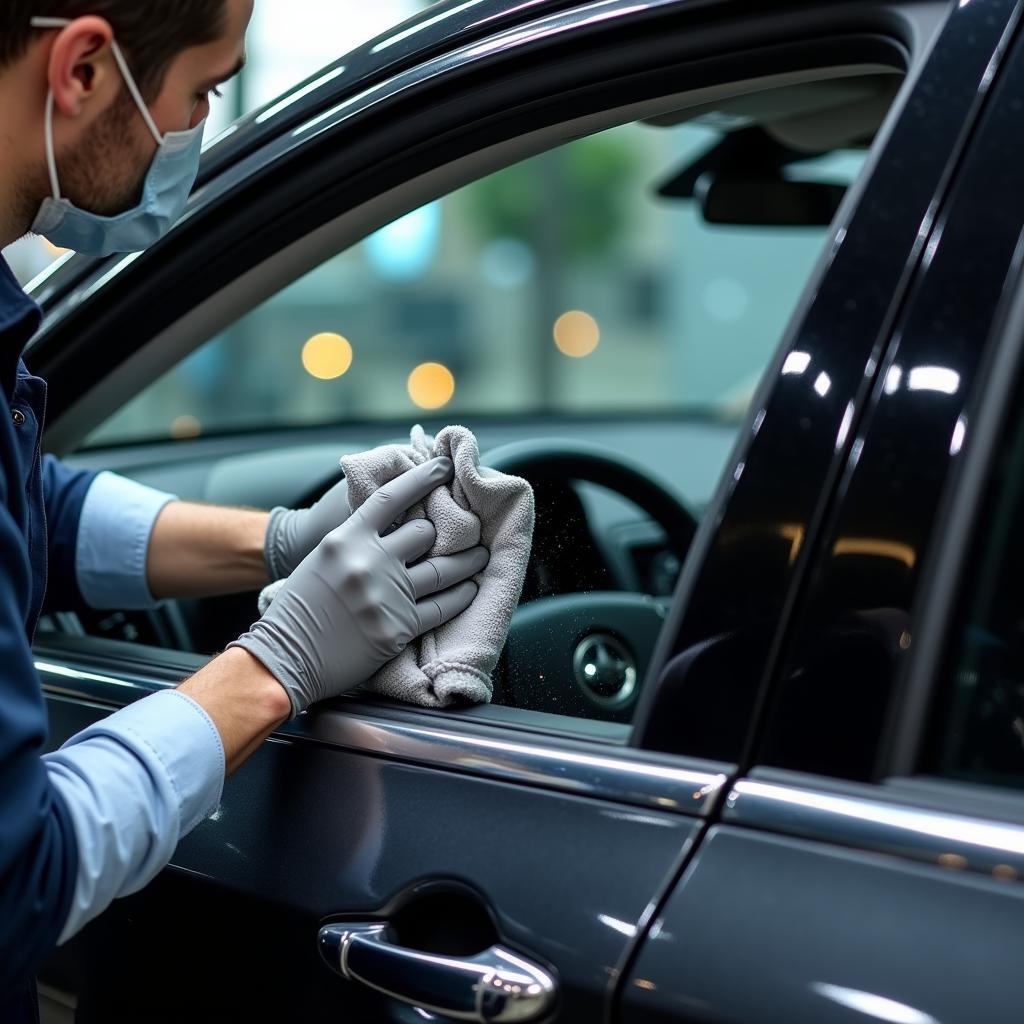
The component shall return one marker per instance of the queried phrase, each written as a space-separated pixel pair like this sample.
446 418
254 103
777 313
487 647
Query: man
101 111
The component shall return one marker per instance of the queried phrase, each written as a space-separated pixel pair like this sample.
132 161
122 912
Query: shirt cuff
113 542
134 784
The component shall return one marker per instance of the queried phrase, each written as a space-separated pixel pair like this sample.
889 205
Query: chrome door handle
493 987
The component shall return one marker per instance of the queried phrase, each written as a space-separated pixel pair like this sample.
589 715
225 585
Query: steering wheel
584 654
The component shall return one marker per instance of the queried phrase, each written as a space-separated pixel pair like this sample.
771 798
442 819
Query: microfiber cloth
454 662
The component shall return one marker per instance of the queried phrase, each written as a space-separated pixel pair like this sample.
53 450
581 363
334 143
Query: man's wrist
244 699
253 531
266 689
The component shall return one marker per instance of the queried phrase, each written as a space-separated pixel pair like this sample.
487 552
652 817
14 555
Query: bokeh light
185 427
577 334
431 385
54 251
327 356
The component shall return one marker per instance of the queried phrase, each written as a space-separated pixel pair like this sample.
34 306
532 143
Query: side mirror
767 201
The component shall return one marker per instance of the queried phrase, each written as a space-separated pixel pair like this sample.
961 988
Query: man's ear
81 70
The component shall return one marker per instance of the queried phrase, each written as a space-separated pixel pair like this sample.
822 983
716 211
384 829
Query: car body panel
819 933
326 832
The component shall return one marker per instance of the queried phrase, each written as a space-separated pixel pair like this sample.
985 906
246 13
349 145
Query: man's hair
151 32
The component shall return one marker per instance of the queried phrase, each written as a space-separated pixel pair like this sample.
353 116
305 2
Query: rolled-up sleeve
114 531
133 785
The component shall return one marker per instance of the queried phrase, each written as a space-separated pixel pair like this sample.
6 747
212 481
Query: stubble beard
93 176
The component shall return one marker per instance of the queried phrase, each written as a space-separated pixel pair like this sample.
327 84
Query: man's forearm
202 550
136 782
245 702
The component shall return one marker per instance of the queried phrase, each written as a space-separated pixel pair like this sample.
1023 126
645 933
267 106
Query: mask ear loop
126 74
129 81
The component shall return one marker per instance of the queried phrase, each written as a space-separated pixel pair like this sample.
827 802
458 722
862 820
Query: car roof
441 27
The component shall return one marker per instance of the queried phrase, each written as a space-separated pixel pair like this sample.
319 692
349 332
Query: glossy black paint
918 419
441 28
307 833
874 936
877 936
755 551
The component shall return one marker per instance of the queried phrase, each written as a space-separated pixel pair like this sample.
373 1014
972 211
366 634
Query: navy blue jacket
40 507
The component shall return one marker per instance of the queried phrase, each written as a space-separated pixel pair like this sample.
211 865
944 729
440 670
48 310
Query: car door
866 865
540 840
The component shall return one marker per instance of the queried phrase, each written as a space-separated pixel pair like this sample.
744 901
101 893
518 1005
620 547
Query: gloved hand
293 533
354 603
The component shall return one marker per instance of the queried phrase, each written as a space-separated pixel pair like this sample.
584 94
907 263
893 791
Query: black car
737 286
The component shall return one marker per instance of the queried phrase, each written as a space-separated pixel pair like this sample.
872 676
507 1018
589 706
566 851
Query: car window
626 289
977 733
568 284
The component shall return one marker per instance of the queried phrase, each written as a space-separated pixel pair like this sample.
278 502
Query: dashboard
589 538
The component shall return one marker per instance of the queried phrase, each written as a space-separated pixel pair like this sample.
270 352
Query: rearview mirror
767 201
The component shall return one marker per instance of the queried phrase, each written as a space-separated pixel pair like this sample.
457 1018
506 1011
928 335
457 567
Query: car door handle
493 987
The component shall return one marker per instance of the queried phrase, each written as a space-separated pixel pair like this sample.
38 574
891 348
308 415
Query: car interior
598 302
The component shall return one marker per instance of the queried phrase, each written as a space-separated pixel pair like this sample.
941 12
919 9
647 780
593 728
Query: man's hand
294 533
355 603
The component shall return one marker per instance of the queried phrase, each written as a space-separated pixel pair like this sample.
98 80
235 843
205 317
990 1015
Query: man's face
104 173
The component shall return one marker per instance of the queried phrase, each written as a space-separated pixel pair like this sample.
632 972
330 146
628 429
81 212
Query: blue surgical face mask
166 190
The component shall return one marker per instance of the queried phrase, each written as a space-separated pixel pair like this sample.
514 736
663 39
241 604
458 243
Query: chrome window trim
952 841
581 767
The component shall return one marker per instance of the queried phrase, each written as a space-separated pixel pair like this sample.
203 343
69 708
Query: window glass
978 733
613 290
566 284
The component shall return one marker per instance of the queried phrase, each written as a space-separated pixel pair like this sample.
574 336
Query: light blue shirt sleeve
113 542
134 784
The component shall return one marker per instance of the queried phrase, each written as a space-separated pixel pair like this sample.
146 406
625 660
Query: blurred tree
569 205
592 177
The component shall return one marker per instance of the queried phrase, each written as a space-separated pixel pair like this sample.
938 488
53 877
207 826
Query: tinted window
979 728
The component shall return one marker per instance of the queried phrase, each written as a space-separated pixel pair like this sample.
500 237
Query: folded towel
453 662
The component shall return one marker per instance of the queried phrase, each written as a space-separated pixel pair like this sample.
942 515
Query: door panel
307 832
771 928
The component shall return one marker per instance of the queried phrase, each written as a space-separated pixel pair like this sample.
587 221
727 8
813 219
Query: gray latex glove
293 533
355 603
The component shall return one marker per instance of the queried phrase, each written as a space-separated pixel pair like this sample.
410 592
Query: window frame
351 201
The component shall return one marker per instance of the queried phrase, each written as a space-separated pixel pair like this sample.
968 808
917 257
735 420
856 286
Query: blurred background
570 284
